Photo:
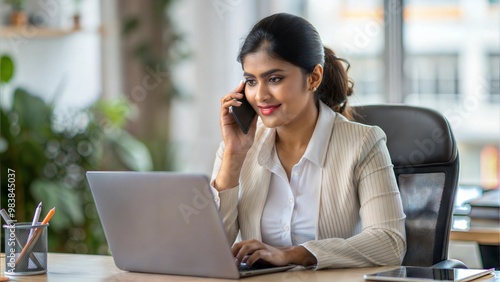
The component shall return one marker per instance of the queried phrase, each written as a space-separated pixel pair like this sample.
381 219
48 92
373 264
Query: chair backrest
425 157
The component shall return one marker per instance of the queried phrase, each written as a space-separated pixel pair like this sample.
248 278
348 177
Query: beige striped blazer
360 221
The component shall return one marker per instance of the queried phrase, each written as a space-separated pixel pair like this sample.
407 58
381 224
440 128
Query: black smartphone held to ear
244 114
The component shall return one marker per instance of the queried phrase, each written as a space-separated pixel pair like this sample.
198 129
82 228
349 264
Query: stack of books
487 206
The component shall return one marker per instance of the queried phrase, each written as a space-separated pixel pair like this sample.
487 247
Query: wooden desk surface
72 267
486 232
482 236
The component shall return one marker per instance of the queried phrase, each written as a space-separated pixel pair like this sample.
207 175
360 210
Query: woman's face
277 90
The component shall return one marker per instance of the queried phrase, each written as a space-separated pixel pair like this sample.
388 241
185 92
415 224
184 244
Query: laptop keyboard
244 267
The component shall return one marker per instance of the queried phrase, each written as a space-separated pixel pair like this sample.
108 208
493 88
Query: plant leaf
133 153
34 114
130 24
6 68
66 200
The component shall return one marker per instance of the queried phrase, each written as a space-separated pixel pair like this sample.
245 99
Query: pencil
49 216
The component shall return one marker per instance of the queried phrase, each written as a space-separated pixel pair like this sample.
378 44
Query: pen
38 210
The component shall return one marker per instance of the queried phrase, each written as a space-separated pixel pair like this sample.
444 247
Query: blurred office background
135 85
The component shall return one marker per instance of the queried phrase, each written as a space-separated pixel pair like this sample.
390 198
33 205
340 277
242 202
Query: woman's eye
250 82
274 79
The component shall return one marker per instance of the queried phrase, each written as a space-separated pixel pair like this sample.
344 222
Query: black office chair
425 157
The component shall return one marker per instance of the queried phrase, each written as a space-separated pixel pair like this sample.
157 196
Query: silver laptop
164 222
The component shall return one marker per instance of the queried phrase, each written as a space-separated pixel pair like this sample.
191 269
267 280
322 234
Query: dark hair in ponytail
336 85
295 40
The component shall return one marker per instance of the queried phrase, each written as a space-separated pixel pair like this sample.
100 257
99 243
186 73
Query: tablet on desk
414 273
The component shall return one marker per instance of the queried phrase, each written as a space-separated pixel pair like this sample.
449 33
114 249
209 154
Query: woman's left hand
251 251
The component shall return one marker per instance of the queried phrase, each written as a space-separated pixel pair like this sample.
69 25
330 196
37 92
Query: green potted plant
18 16
77 14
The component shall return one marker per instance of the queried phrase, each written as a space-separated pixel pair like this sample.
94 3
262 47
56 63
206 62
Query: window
367 73
356 33
494 77
432 76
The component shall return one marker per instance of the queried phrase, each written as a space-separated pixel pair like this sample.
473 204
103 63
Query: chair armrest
450 263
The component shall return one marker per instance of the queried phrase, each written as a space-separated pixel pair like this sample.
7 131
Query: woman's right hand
235 141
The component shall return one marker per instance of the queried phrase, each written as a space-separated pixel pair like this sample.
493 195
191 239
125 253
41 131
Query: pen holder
25 249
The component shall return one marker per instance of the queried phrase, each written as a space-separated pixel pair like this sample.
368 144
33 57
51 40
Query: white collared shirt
291 210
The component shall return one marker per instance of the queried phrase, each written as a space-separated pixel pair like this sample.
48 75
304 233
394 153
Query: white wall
66 69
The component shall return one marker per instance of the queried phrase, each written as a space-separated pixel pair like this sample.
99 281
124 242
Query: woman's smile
268 110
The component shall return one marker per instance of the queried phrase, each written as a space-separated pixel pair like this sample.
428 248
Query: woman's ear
315 77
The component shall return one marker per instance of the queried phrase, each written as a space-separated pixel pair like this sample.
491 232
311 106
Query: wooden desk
485 232
482 236
71 267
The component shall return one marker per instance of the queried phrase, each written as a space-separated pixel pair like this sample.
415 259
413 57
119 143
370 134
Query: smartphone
244 114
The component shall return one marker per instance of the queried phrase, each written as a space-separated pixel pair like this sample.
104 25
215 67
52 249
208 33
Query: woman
305 185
